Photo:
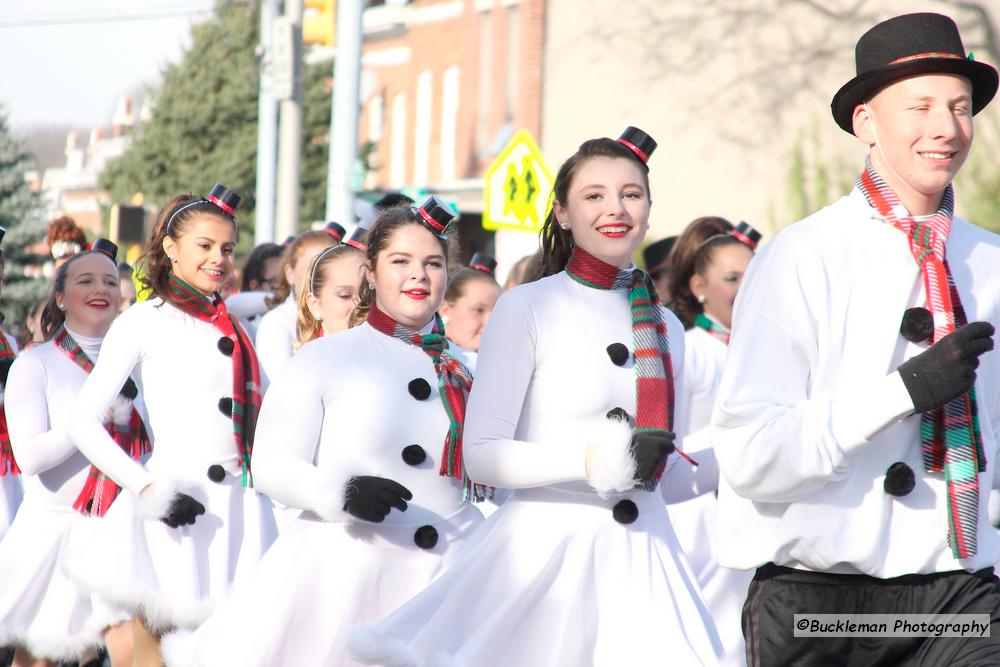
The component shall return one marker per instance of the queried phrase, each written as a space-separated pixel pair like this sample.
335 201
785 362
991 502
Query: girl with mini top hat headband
857 419
10 482
276 334
187 523
42 611
363 432
573 408
471 295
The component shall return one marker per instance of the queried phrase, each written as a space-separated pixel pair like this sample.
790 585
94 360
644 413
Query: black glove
5 365
372 498
650 450
947 368
183 511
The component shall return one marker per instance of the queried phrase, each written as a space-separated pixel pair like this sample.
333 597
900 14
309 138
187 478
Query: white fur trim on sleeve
332 507
121 410
154 503
610 463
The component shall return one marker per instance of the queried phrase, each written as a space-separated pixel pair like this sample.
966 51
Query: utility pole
288 43
344 121
267 128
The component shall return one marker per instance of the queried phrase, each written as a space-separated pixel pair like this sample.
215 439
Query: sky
66 62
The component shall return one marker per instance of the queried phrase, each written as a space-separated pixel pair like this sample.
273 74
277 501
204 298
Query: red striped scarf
950 435
714 329
654 374
247 394
8 466
454 384
99 491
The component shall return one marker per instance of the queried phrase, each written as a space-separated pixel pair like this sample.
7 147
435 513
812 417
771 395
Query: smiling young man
857 420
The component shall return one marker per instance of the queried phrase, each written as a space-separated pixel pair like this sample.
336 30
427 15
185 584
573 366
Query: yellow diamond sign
517 187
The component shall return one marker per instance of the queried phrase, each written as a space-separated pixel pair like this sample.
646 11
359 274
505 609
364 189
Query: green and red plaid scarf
8 466
716 330
654 370
454 384
950 434
99 491
247 394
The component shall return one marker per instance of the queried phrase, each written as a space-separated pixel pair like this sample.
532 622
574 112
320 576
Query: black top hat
359 238
224 198
2 232
656 253
746 234
106 247
288 241
335 231
484 263
436 214
638 142
907 46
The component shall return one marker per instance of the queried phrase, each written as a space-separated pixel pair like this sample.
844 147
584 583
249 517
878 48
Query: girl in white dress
276 333
573 408
10 480
43 612
709 261
472 294
190 523
363 432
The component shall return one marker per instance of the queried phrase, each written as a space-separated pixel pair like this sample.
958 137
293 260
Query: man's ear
864 128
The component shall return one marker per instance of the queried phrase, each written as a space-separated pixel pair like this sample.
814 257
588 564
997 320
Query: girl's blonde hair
290 258
308 328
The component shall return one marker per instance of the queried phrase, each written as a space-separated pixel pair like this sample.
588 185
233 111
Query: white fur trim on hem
332 507
610 461
177 649
154 503
367 646
54 648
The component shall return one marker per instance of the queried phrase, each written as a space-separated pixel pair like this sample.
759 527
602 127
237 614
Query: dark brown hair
157 265
381 233
682 262
253 267
52 315
460 279
557 243
290 258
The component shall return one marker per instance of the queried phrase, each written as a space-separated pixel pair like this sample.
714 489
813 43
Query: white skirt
173 577
696 524
11 493
41 609
552 579
318 581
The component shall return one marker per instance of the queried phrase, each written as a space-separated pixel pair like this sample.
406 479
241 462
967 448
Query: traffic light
319 22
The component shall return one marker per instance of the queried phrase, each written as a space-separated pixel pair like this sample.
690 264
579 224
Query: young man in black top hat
858 417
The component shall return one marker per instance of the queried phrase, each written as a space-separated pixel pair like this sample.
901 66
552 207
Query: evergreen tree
20 215
203 128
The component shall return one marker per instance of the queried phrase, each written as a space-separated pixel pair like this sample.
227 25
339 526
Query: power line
147 14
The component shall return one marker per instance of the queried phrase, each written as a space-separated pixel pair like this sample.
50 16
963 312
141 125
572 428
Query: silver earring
371 286
62 306
172 259
701 298
564 226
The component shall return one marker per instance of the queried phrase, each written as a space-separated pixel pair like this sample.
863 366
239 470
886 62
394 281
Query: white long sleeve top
275 338
182 374
704 359
249 308
42 388
811 412
342 408
544 381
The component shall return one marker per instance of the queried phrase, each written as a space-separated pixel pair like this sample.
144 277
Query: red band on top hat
221 204
743 238
932 54
480 267
356 244
431 221
635 149
333 234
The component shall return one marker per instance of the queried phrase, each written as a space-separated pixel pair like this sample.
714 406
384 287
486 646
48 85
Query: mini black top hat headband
746 235
105 247
2 232
335 231
435 215
483 262
222 197
357 240
638 142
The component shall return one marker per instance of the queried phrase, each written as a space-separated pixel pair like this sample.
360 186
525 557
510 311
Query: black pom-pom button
129 390
426 537
226 406
216 473
618 414
917 325
414 455
419 389
899 479
226 346
625 512
618 354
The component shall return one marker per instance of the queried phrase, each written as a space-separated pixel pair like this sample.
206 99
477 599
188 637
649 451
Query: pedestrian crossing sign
517 187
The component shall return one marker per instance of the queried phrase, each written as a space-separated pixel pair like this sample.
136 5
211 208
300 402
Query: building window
485 84
514 61
422 129
397 150
449 122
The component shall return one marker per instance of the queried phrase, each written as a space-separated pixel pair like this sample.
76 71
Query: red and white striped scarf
8 466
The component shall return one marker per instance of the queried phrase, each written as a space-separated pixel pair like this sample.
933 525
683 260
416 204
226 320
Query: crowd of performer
361 453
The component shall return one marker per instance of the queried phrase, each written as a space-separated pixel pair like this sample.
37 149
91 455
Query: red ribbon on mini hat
635 149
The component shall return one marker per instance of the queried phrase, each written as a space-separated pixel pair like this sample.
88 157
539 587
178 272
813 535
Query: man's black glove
372 498
183 511
650 450
947 368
